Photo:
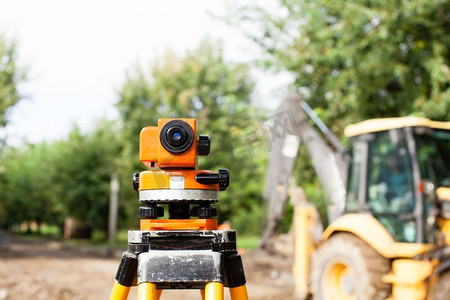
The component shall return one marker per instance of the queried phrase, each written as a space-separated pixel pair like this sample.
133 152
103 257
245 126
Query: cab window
390 185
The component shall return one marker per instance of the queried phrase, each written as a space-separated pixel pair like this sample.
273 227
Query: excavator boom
290 126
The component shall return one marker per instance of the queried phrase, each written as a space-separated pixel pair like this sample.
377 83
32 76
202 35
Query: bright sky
77 53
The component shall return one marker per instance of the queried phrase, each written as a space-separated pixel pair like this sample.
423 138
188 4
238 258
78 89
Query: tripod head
171 150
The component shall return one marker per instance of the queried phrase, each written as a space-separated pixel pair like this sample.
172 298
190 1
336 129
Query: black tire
441 289
347 267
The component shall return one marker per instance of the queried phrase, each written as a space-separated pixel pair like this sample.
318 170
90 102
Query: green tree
204 86
10 77
26 185
47 183
359 59
84 164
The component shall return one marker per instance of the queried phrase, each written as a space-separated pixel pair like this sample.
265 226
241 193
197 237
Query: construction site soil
49 270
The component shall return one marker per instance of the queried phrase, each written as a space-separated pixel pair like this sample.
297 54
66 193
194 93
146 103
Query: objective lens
176 136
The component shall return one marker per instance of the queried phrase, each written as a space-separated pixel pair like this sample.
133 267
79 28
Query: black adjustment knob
204 212
224 179
204 145
151 211
136 181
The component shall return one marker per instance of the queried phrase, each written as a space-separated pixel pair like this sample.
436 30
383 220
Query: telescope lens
176 136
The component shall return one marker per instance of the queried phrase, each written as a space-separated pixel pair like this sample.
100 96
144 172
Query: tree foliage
68 178
83 166
26 180
10 77
359 59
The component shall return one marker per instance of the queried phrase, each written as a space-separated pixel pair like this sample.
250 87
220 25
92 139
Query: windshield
433 151
390 184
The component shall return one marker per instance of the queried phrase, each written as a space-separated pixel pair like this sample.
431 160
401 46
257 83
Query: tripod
179 252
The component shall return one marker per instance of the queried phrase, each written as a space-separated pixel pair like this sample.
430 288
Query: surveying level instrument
185 251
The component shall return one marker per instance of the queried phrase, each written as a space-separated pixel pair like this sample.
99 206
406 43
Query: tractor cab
396 167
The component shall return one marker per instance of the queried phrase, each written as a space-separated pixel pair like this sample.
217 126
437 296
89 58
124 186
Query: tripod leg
125 276
147 291
202 293
235 277
119 292
239 293
214 291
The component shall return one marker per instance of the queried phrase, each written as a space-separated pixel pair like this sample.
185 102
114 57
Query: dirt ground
48 270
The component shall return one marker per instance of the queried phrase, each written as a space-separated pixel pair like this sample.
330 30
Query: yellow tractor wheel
441 289
346 268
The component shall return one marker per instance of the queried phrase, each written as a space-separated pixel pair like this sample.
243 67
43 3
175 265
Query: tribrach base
181 259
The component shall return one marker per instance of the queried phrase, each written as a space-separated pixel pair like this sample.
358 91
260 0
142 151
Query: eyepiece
176 136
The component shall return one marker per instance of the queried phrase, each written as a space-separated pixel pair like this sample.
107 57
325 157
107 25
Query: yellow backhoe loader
389 215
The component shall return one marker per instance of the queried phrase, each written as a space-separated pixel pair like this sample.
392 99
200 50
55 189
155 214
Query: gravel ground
48 270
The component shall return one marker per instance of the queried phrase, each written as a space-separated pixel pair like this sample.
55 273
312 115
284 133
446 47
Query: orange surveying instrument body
185 251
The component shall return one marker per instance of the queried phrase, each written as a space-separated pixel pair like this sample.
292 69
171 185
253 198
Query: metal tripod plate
180 268
163 254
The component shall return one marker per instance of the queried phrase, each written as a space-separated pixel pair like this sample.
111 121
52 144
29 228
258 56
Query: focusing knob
136 181
204 212
204 145
151 212
224 179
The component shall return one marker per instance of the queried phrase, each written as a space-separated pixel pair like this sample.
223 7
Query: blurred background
79 79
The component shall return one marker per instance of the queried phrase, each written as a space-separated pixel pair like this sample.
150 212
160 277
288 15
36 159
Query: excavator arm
289 127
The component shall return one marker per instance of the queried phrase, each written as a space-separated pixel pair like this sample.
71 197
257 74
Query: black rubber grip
127 271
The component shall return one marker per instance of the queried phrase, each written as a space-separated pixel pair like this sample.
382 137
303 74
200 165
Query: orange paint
175 224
